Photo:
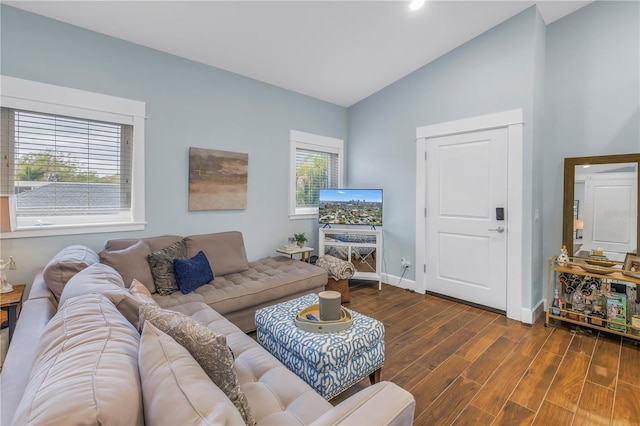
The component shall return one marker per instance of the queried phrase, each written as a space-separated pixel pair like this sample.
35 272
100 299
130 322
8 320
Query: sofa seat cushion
175 389
275 394
266 279
86 368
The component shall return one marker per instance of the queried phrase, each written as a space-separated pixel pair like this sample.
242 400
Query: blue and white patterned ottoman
329 363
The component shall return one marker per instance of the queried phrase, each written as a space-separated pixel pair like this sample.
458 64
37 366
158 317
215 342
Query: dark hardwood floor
467 366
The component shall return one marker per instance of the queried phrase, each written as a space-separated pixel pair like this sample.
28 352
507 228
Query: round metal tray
345 321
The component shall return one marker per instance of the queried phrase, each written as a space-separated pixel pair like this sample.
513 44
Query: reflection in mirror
606 193
603 192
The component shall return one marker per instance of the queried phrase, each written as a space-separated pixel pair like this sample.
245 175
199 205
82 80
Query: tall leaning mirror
601 205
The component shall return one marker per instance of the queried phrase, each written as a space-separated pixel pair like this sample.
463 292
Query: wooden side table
304 252
10 302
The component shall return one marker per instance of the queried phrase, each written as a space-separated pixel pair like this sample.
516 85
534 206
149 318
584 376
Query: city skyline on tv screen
350 207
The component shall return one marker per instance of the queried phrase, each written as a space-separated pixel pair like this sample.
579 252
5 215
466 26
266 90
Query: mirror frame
569 182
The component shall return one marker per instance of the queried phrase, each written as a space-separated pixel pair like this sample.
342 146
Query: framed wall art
217 179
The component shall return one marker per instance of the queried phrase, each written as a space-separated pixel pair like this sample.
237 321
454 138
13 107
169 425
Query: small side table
10 302
304 252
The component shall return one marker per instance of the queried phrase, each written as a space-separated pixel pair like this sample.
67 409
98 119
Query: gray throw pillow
161 264
209 349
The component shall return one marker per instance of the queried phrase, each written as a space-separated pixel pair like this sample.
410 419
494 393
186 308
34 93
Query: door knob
498 229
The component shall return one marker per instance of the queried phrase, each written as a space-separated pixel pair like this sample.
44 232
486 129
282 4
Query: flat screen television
350 207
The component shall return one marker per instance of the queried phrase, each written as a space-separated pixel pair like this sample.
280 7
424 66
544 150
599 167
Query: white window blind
316 163
314 170
64 166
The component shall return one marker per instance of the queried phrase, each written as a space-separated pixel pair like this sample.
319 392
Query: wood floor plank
626 405
559 341
629 371
583 342
410 376
514 414
497 389
532 341
473 416
486 364
476 346
446 408
552 414
534 385
567 385
432 359
604 363
483 320
437 382
418 324
595 406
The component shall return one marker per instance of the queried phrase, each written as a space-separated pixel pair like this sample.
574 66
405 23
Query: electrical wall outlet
405 263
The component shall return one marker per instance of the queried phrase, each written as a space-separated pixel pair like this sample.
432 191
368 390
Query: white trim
513 121
48 231
530 316
396 282
47 98
311 142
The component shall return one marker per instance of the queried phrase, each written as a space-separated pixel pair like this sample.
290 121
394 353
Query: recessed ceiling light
416 4
586 166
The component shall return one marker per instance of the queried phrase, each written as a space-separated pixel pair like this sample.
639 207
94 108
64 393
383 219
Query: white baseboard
395 281
529 316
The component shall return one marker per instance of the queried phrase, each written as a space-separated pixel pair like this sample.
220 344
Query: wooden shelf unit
554 270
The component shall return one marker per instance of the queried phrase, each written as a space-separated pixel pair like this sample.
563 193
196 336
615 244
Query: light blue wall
592 96
491 73
188 105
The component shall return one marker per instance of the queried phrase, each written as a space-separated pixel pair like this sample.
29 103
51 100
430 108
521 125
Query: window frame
51 99
311 142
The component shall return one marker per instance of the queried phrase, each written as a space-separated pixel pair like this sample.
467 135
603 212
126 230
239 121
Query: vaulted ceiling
337 51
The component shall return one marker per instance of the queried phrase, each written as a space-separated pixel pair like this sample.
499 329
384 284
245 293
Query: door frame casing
513 121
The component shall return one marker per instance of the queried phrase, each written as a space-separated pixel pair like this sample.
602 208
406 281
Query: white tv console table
362 247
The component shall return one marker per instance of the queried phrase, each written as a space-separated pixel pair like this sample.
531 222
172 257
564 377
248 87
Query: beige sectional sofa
82 357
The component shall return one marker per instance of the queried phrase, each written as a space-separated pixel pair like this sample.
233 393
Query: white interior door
608 224
466 246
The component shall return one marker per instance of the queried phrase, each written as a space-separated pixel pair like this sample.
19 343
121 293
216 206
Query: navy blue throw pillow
192 273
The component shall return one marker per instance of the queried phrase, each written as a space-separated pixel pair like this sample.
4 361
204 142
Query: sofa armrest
34 317
384 403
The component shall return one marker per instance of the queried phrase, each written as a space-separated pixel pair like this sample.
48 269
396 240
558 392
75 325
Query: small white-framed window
315 162
73 161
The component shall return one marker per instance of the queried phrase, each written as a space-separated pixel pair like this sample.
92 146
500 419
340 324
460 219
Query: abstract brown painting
217 179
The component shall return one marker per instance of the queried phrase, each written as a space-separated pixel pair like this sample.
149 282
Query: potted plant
300 238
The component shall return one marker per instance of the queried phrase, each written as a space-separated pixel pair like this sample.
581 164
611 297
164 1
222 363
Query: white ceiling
337 51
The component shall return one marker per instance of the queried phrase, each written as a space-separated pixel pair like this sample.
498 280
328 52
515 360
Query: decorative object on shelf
631 263
595 269
291 242
5 287
563 259
217 179
556 304
300 238
579 225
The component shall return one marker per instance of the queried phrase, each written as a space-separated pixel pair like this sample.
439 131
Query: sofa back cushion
131 263
154 243
224 250
175 389
86 368
65 264
209 349
103 279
